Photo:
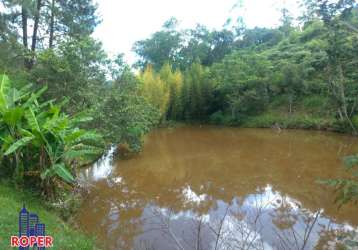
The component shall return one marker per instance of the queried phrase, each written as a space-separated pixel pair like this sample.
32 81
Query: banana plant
40 135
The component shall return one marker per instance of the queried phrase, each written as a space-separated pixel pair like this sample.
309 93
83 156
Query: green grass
11 202
298 121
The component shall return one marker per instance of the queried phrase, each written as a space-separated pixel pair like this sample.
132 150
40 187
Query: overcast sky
126 21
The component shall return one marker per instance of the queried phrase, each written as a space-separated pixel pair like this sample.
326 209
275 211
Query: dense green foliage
234 75
40 143
123 115
51 126
63 56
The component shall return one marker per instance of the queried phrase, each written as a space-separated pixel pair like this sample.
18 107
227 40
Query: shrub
346 189
268 120
124 116
220 117
315 104
355 121
39 142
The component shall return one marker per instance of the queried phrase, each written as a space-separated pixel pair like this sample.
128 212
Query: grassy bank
11 202
281 120
296 121
312 112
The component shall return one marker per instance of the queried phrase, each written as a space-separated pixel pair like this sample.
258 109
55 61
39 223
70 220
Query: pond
206 187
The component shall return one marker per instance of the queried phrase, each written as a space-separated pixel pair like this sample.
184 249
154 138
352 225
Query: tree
174 81
155 90
196 93
76 19
72 72
57 20
122 114
181 49
160 48
27 8
291 83
197 48
242 84
206 47
260 37
286 21
221 44
334 16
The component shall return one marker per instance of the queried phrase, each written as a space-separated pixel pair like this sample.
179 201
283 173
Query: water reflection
100 170
265 220
251 189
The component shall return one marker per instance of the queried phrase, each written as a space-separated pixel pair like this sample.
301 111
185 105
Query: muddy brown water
221 188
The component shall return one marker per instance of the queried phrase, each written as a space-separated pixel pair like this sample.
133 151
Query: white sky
126 21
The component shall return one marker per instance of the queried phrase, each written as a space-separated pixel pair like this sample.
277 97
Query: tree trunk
340 114
24 25
337 84
24 33
52 23
34 33
36 26
343 98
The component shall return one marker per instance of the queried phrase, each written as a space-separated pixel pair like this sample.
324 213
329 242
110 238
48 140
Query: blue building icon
29 225
23 225
33 220
40 231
